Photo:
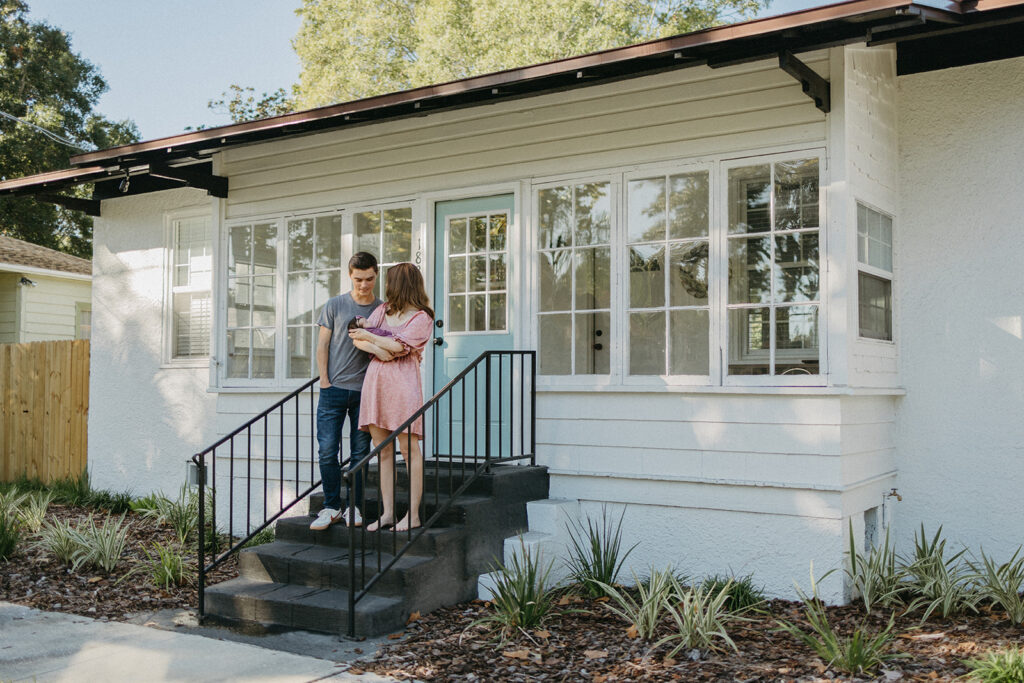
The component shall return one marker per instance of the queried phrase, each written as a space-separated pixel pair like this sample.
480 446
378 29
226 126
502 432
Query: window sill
198 364
738 390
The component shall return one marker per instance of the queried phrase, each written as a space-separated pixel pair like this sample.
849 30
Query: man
342 368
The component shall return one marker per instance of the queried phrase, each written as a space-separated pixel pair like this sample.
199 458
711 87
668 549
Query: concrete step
324 610
430 543
523 482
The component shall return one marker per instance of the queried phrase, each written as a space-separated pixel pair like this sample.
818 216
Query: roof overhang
42 272
928 37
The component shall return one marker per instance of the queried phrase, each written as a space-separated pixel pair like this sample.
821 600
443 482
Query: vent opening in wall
871 523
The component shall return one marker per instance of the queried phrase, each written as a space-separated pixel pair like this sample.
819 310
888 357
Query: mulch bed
593 645
36 579
585 642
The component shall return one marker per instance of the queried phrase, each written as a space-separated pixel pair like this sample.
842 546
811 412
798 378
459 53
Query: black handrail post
487 410
200 463
351 558
533 407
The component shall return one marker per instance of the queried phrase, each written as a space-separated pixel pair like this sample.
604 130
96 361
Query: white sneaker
357 519
326 518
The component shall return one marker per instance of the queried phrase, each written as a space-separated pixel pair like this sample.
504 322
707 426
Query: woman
391 391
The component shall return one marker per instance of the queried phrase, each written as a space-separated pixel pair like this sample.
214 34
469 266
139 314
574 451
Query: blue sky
165 59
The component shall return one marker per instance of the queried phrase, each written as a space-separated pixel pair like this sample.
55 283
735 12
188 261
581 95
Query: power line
50 134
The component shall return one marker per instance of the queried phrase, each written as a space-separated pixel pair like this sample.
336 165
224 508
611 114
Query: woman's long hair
405 289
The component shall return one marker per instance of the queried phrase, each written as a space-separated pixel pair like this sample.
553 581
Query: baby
359 322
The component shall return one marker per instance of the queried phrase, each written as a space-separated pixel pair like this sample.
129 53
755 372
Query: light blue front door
474 313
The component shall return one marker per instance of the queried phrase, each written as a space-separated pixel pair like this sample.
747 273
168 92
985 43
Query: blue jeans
331 410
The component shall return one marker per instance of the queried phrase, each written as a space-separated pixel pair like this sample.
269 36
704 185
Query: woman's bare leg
414 461
387 479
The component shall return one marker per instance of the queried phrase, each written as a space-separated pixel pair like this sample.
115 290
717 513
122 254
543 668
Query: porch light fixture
25 282
125 183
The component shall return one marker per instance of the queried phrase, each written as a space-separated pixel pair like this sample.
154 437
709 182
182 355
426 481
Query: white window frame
881 273
821 379
718 268
167 351
80 308
531 252
280 219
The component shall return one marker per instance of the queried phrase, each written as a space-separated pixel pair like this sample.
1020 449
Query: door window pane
555 217
496 271
555 344
497 313
592 350
397 234
457 236
366 227
647 276
688 274
593 278
457 274
593 213
477 318
556 280
456 314
498 230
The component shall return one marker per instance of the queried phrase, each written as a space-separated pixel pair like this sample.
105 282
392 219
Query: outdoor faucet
896 493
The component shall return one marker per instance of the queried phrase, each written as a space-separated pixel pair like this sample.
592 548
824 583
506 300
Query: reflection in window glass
252 300
556 344
688 334
191 298
575 276
767 274
477 264
875 304
311 282
647 343
874 252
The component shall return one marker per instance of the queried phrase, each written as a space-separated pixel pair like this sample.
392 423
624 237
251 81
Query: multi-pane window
574 254
387 234
314 276
477 273
252 300
773 261
874 276
191 302
667 251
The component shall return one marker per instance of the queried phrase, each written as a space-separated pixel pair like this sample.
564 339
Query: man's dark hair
363 260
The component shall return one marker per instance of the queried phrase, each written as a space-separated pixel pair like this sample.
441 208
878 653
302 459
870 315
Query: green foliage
263 537
168 567
116 503
182 514
147 504
1003 666
877 577
32 511
241 104
72 491
700 618
595 556
56 538
43 82
937 583
646 610
11 501
351 49
742 594
860 653
99 546
521 597
10 534
1002 584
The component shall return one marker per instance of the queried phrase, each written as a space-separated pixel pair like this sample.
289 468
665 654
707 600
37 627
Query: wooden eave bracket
814 86
90 207
213 184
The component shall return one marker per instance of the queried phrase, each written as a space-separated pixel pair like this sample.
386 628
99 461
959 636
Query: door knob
438 341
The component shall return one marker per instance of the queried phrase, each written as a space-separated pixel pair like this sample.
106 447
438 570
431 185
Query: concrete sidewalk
48 646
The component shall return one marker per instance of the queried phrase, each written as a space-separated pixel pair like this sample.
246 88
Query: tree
45 84
357 48
241 104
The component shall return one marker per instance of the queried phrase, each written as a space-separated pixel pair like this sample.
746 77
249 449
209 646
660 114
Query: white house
771 272
45 295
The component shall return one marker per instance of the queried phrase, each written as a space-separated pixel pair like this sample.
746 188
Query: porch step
441 477
324 610
301 580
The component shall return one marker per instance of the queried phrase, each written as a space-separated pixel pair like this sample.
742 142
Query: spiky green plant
32 512
859 653
700 619
595 552
56 538
11 501
73 490
1000 666
521 597
182 514
743 594
1002 584
10 535
645 611
938 583
169 567
263 537
877 576
99 546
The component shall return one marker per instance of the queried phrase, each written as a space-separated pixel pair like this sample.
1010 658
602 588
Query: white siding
145 420
48 309
678 114
8 308
961 436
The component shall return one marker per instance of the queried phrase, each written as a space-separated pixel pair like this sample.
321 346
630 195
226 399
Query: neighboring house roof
928 36
17 254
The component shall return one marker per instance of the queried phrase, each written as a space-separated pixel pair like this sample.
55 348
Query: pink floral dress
392 391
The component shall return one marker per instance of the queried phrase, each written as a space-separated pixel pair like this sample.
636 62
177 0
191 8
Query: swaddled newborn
359 323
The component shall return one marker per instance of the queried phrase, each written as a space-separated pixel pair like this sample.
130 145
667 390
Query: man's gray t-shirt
346 365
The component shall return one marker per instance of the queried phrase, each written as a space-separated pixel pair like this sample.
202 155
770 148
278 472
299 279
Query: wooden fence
44 409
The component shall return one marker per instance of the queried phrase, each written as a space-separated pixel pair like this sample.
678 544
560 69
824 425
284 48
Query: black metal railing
467 426
494 423
287 412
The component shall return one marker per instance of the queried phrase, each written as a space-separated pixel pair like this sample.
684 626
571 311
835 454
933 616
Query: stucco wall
145 420
961 435
48 309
